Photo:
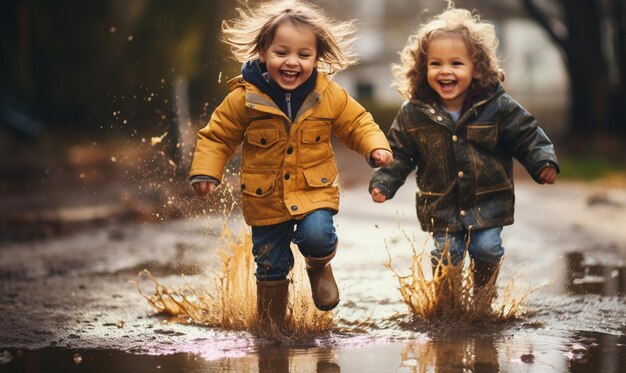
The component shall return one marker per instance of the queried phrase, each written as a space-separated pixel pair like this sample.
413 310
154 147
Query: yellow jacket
288 169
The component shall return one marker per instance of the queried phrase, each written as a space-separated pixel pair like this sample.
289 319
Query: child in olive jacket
284 111
460 131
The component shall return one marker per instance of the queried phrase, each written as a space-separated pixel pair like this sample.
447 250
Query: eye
434 63
458 63
304 55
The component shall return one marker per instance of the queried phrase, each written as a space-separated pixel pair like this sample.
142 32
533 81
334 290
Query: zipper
288 99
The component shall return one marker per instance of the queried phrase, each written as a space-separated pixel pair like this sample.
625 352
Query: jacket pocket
262 137
483 135
257 184
261 148
315 145
321 176
321 182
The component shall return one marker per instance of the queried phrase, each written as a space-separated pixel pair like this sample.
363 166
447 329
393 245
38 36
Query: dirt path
76 291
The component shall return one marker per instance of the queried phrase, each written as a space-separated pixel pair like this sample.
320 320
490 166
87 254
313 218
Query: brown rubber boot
485 276
272 304
323 285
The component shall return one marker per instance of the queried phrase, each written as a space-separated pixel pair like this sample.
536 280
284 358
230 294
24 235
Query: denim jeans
484 245
314 235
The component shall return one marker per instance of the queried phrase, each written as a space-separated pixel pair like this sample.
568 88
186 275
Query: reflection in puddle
586 276
452 355
462 352
266 359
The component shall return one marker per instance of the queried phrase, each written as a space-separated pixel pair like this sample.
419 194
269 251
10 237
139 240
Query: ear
262 56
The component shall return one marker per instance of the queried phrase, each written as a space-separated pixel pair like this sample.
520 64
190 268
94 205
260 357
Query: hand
203 188
547 175
377 196
382 157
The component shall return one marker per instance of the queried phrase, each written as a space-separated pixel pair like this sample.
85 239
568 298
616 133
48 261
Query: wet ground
69 303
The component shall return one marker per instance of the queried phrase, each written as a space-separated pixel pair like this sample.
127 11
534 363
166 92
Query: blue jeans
484 245
314 235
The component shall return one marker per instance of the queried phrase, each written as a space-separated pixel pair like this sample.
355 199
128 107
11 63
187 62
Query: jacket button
294 207
289 150
461 174
259 191
324 180
243 186
463 213
263 141
317 139
455 138
439 118
287 176
432 111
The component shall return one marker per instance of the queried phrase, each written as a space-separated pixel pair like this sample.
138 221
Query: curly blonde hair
253 30
479 37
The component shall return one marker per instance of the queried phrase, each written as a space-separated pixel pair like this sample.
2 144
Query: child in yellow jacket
284 109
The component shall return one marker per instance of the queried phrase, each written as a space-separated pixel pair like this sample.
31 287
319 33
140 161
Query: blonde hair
254 29
480 40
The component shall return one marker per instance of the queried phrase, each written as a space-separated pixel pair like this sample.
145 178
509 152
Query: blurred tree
592 37
108 63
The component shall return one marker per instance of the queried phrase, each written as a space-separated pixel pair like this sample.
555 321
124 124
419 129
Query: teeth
292 73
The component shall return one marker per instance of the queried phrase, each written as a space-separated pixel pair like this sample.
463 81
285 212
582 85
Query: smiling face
291 56
449 71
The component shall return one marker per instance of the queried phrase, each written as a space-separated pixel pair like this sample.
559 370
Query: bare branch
544 21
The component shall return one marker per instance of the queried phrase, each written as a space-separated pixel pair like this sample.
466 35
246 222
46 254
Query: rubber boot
485 276
323 285
272 304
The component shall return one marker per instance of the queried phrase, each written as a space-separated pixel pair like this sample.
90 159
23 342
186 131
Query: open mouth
289 76
447 85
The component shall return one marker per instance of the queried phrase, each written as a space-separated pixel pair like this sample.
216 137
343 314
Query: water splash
450 294
231 302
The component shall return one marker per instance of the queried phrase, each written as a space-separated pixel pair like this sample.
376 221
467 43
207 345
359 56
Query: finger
389 159
211 187
380 198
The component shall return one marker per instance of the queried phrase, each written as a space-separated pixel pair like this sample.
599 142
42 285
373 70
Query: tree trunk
590 91
618 102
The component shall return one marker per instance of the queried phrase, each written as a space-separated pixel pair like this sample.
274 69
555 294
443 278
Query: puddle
97 320
582 352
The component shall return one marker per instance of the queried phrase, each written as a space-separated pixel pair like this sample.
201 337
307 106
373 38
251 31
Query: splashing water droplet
230 302
157 139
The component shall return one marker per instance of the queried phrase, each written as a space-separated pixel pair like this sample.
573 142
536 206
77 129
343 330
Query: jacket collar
256 73
256 98
475 96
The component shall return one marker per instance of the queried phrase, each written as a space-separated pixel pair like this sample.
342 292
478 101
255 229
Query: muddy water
70 304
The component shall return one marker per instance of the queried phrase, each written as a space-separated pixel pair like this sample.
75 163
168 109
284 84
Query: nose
445 69
292 60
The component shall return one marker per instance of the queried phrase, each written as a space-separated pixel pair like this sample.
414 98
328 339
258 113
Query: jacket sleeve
219 140
356 128
389 179
527 141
